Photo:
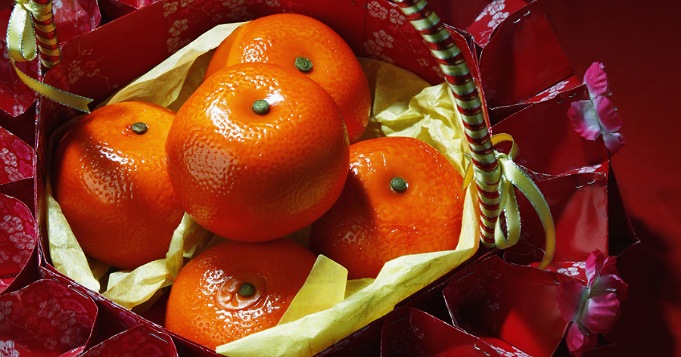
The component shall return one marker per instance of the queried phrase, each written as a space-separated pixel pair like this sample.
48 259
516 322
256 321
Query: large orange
401 197
299 41
257 152
111 182
235 289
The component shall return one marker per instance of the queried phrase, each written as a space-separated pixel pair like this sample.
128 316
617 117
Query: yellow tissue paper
324 288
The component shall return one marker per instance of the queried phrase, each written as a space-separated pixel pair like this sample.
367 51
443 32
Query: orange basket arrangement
531 270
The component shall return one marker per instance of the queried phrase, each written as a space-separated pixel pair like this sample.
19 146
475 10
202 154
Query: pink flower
597 116
594 307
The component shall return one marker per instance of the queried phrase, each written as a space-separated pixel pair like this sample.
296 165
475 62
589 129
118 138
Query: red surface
638 49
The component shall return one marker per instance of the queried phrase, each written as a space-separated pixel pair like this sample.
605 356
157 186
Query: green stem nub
398 184
139 128
261 107
246 290
303 64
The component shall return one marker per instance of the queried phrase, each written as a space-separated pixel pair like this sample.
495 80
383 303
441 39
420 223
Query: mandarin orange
302 42
111 181
235 289
257 152
401 197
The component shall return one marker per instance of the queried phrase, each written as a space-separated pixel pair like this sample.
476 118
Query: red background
638 43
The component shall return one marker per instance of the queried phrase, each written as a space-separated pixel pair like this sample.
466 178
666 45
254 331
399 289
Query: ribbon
21 46
512 176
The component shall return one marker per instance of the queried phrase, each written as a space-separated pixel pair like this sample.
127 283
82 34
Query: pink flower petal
579 341
596 80
610 283
609 265
611 121
584 119
570 296
613 142
606 290
598 264
593 266
600 313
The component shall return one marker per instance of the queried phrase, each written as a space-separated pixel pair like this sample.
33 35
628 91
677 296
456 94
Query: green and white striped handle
487 172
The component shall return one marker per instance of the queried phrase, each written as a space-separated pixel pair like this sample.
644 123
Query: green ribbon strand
512 176
21 46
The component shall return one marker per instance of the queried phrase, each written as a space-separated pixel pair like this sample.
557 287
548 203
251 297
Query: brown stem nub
398 184
139 128
303 64
246 290
261 107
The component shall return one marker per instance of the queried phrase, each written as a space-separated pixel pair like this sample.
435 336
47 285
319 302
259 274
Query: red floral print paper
17 238
46 318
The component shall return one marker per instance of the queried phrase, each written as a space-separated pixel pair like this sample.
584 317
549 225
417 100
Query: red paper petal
417 333
17 236
596 80
16 158
15 96
492 16
139 341
584 119
516 304
572 269
75 17
46 318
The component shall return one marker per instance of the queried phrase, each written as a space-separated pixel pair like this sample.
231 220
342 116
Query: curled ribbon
21 46
513 176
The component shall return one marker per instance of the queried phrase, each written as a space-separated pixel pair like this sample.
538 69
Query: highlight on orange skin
256 177
110 179
285 40
235 289
401 197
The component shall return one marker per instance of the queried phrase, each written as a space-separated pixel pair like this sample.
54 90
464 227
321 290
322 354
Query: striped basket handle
495 174
487 172
46 34
32 23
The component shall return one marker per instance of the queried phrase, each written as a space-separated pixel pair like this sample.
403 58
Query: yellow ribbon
21 46
513 176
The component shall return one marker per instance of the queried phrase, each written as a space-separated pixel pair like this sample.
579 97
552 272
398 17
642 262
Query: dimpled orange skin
371 224
281 38
257 177
204 304
113 187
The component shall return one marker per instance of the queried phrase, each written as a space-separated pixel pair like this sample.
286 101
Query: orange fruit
111 181
253 173
401 197
299 41
235 289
